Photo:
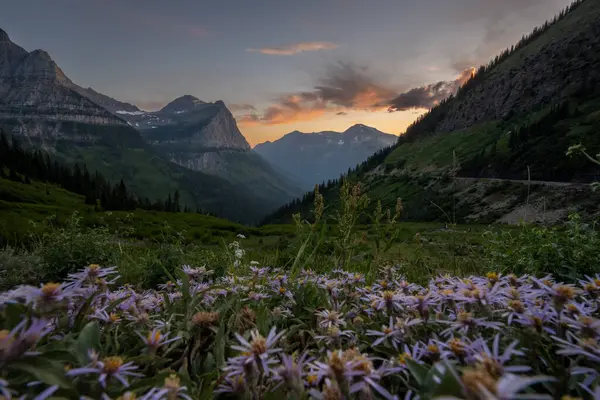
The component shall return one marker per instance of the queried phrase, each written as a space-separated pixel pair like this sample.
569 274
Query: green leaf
43 370
418 371
89 338
443 380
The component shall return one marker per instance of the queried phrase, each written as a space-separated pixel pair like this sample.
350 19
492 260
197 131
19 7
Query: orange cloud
348 88
291 49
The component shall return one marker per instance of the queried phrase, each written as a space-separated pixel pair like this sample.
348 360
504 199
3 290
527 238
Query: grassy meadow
147 305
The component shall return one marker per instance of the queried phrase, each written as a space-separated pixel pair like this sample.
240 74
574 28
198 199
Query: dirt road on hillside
525 182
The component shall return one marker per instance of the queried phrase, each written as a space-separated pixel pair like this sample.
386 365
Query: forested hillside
515 119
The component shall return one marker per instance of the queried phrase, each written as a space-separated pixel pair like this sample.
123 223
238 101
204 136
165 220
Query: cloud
343 87
291 49
346 87
241 107
428 96
502 22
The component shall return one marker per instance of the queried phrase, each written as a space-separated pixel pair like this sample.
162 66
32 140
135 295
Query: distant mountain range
321 156
189 145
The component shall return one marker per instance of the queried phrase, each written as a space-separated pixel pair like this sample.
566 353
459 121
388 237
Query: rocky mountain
496 150
112 105
45 109
204 137
321 156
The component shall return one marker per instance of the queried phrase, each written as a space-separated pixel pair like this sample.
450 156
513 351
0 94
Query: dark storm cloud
428 96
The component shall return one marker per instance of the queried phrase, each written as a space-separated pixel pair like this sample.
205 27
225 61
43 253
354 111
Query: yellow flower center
402 358
473 379
112 364
282 290
311 379
259 345
50 289
464 317
172 382
456 346
154 337
388 295
112 317
492 276
4 334
564 293
433 348
93 270
387 331
517 306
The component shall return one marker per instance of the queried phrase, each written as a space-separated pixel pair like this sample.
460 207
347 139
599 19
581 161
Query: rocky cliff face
204 137
191 122
544 72
320 156
38 100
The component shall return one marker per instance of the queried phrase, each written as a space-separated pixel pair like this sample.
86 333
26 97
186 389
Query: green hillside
513 121
120 153
26 207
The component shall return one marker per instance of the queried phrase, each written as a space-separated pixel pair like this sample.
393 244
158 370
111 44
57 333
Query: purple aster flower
388 300
334 337
422 303
496 360
328 319
109 367
464 322
509 386
388 332
292 372
4 390
21 339
171 390
560 293
584 325
48 296
456 348
49 391
155 339
414 353
330 390
195 274
540 319
89 275
254 296
234 384
108 318
256 353
586 347
169 286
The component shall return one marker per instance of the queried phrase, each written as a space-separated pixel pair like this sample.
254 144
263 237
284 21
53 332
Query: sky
279 65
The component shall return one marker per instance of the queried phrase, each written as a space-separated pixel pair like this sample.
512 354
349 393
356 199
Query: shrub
66 249
19 267
569 252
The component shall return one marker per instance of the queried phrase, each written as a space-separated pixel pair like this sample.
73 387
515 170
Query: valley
148 251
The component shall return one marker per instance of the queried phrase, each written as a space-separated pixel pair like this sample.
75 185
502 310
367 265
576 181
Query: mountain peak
183 103
359 127
4 36
39 65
